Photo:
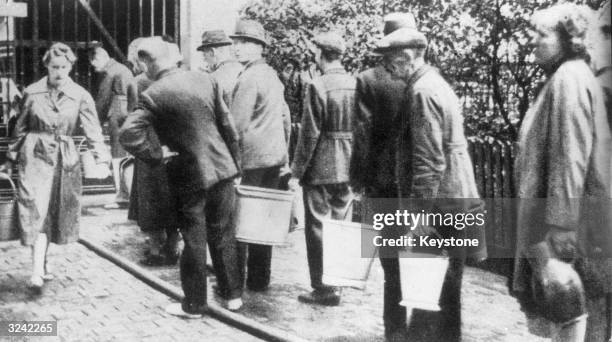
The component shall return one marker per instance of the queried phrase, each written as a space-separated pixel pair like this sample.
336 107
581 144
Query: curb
238 321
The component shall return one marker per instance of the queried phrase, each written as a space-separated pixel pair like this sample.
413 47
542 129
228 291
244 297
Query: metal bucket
91 169
9 229
422 276
344 262
263 215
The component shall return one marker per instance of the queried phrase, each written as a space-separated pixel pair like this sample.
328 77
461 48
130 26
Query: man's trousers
326 201
208 215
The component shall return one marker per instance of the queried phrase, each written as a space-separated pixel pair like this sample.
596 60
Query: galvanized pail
91 169
421 276
348 253
263 215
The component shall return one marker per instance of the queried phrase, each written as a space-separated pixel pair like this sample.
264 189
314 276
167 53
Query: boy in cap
263 122
381 100
322 156
116 96
216 49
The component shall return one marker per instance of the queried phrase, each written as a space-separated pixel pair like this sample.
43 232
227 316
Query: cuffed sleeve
20 130
137 135
567 151
428 159
362 136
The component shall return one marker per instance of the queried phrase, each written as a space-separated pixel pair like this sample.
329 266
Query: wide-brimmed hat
401 39
214 38
398 20
330 41
250 30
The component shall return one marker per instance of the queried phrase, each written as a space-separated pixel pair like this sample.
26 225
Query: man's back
381 99
326 136
187 115
262 116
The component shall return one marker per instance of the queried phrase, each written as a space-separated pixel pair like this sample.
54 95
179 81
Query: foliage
482 47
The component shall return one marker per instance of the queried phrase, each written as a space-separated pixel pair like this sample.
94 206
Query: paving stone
88 304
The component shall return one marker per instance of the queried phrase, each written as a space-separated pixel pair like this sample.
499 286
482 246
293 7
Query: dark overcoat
563 169
151 202
381 99
187 112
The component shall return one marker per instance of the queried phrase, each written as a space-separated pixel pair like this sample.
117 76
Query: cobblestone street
94 300
489 313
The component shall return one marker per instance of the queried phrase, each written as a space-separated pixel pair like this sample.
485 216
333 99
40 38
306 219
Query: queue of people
394 131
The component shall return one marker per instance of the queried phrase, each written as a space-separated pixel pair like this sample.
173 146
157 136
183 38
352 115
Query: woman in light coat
562 174
49 188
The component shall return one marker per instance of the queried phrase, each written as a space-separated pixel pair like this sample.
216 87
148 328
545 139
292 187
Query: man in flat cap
381 99
116 96
217 51
187 113
322 156
263 122
432 149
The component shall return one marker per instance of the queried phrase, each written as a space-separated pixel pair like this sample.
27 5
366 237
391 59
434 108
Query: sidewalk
94 300
489 313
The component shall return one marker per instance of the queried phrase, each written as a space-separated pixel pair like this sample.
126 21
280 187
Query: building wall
198 16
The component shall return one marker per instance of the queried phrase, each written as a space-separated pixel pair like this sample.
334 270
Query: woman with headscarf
562 171
49 187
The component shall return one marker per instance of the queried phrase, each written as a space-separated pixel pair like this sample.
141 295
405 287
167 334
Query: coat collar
337 70
69 89
254 63
225 62
420 72
167 72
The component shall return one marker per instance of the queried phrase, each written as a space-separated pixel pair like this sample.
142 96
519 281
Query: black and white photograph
306 170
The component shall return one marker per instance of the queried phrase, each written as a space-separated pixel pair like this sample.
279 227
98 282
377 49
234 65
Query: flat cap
398 20
401 39
250 30
330 41
214 38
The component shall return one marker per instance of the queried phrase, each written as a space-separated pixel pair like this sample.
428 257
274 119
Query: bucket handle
8 178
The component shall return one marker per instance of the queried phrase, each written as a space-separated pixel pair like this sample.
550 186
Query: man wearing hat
185 111
381 100
116 95
322 155
216 49
263 122
432 149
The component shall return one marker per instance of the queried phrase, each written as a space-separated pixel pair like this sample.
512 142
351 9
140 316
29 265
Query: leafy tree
482 47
